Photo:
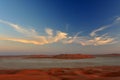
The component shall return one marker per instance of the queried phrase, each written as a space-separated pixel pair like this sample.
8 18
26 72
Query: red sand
90 73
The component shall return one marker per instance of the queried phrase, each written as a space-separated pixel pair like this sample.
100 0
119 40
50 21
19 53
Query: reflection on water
19 63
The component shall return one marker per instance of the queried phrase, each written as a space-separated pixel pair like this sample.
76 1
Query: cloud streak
94 38
58 36
24 41
37 39
94 32
20 29
97 41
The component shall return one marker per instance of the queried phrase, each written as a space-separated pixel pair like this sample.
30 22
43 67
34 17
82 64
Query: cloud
60 35
28 32
25 41
97 41
71 39
40 41
117 19
53 36
37 39
49 31
94 32
94 38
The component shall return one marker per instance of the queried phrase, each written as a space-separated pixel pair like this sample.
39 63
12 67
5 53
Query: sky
59 26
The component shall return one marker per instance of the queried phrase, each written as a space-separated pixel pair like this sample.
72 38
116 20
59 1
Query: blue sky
59 26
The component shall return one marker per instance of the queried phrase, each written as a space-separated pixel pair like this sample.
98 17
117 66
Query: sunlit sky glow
59 26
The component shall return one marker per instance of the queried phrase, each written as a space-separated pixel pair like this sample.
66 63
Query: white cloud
117 19
94 32
49 31
97 41
58 36
28 32
94 38
37 39
71 39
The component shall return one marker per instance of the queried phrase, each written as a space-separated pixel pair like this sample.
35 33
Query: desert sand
88 73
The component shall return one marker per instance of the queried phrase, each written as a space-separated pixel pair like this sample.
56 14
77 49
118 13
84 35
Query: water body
20 63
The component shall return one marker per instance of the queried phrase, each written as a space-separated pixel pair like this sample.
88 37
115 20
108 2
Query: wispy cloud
70 40
18 28
101 40
96 41
24 41
49 31
58 36
94 32
94 38
37 39
117 20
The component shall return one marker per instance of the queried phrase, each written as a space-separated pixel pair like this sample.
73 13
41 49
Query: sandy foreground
88 73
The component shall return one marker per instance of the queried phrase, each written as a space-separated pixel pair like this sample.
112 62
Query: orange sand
89 73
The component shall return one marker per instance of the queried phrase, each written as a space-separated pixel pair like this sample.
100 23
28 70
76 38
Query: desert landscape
56 73
59 39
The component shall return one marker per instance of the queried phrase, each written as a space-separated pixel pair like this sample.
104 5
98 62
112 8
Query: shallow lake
20 63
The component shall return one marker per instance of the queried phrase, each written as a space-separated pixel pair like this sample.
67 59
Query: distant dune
60 56
63 56
109 55
73 56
